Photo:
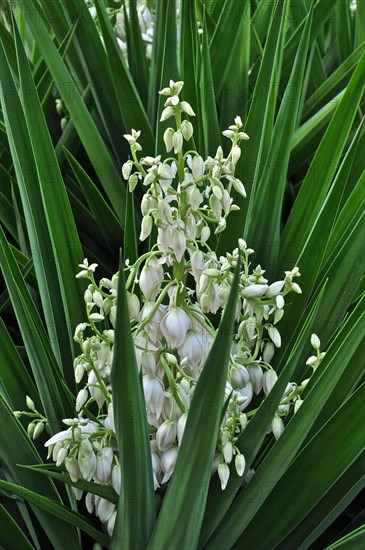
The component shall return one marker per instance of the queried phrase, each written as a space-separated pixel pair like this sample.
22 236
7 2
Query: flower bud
254 291
239 187
274 289
268 352
223 473
146 227
187 108
126 169
39 428
236 153
277 426
187 129
228 452
315 342
30 428
104 460
132 182
133 305
177 141
197 167
239 376
167 137
174 326
81 399
116 478
30 403
268 381
61 456
167 113
195 198
180 428
205 234
179 244
256 376
274 335
86 459
240 464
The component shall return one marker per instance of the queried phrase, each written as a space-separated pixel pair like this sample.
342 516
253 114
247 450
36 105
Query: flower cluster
172 290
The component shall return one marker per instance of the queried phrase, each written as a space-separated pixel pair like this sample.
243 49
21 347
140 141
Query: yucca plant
183 428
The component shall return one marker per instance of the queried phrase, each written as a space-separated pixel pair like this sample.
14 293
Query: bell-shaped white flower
166 435
104 460
181 423
72 467
87 459
268 352
254 291
116 478
168 461
105 509
239 376
146 227
150 278
174 326
153 394
167 137
179 243
111 523
274 335
256 377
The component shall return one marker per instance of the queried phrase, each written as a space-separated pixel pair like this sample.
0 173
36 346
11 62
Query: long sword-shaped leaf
95 147
305 479
53 395
353 541
11 536
322 168
57 211
276 462
253 436
15 382
328 509
59 511
136 506
19 448
39 236
129 102
182 510
265 215
259 127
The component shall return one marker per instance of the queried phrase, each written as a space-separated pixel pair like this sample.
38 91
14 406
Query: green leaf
250 441
136 50
207 109
11 536
265 216
103 491
258 127
95 147
136 506
105 219
129 102
182 510
50 385
57 510
276 462
304 474
38 231
352 541
328 509
57 212
15 382
21 449
311 195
